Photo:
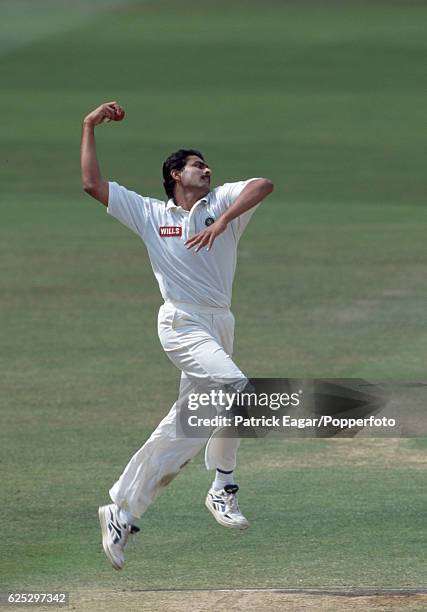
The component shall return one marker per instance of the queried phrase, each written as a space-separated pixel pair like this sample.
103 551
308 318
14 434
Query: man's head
188 169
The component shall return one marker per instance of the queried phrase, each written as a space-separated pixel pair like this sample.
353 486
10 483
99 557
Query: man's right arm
92 181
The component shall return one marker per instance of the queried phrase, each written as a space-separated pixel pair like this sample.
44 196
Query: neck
186 199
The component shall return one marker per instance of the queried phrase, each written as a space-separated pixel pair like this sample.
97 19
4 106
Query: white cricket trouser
199 341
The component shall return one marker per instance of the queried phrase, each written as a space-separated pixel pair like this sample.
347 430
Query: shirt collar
171 204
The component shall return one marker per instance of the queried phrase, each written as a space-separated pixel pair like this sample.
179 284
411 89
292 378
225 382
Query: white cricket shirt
203 278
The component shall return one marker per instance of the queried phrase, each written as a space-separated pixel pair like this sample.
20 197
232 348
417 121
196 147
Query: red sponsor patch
170 230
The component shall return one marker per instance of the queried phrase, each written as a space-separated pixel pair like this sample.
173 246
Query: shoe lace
128 534
232 504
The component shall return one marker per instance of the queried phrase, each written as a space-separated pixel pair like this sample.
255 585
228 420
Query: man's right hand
109 111
92 180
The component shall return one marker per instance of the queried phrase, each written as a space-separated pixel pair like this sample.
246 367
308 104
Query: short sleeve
128 207
227 194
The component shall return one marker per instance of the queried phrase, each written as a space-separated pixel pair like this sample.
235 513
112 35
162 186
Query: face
195 175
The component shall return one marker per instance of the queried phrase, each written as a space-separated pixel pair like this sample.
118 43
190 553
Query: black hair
176 161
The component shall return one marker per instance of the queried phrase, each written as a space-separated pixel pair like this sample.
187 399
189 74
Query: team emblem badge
209 221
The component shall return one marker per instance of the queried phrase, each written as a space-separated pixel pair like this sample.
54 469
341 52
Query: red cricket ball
119 115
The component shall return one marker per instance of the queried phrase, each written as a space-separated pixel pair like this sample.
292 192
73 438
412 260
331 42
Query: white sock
222 478
126 517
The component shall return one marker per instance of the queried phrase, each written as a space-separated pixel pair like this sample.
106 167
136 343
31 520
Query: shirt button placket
193 217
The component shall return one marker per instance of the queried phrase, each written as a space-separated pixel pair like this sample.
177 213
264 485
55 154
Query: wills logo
170 230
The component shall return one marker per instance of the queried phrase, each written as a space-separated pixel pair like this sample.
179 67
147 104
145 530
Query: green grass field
328 100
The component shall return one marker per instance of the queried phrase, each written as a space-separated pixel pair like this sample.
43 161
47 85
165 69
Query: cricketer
192 241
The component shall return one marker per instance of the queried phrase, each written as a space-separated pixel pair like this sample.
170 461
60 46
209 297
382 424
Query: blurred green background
326 99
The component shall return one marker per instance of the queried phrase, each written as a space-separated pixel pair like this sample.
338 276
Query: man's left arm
252 194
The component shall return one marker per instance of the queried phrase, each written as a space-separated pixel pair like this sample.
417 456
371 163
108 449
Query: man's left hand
207 236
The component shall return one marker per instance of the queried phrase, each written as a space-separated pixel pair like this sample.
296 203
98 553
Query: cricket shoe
225 508
115 534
